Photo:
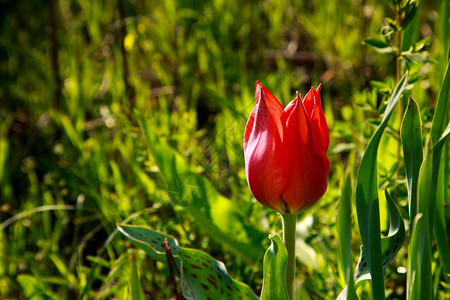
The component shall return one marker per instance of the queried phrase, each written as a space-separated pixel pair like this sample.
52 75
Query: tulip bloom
285 151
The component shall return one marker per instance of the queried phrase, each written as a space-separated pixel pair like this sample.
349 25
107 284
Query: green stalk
398 76
289 223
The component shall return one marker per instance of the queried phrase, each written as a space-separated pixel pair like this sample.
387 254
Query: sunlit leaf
423 44
411 136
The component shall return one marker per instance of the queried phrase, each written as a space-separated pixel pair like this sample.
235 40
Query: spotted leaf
201 276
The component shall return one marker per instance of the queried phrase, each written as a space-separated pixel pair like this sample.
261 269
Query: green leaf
411 14
390 245
426 190
420 286
367 198
442 107
275 262
437 147
440 230
380 46
439 135
62 268
415 57
344 226
439 186
423 44
387 30
419 278
380 85
201 275
411 136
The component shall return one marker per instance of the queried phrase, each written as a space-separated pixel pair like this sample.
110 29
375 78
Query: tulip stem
289 224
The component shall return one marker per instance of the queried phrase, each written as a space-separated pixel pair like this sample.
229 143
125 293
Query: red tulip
285 151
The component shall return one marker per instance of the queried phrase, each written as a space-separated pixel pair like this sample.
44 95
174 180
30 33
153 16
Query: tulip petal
249 127
296 110
319 128
272 106
266 158
308 171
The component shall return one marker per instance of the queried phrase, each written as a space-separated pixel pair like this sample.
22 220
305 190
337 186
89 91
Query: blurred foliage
96 96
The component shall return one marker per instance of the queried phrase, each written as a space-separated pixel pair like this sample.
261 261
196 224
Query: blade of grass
33 288
367 204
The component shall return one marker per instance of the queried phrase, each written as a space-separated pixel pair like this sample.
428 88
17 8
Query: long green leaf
438 212
344 227
419 279
439 135
411 136
421 288
367 198
390 245
440 230
201 275
427 191
442 107
275 262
